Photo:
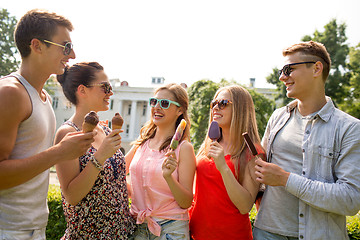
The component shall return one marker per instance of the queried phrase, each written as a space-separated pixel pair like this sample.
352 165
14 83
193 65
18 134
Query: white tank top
24 207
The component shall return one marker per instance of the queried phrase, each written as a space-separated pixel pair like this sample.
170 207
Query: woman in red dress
226 188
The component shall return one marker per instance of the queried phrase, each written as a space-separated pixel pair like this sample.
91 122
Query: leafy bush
57 224
353 226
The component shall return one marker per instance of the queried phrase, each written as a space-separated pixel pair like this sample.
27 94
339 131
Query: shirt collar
325 112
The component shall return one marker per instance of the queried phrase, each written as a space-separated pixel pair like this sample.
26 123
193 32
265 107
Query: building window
129 110
55 102
127 129
153 80
111 104
144 109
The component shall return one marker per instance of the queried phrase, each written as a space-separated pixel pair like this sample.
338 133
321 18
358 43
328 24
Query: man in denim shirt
313 172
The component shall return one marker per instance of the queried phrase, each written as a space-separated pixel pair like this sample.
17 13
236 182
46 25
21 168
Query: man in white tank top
27 125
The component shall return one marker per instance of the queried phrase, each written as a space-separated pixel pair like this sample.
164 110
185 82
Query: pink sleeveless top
151 195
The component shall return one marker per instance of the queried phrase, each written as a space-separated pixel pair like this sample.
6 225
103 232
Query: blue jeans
38 234
170 230
259 234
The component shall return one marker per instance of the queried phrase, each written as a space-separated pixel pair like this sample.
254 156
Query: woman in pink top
161 179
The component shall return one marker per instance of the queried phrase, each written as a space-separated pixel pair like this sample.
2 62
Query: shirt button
303 172
303 150
307 132
301 236
301 215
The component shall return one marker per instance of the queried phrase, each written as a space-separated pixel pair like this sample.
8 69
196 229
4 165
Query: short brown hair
37 24
316 50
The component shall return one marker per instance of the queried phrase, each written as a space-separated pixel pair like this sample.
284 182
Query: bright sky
190 40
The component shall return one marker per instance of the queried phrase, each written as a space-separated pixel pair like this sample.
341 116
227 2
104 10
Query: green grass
57 225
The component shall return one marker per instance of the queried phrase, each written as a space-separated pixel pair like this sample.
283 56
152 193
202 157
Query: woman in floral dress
94 192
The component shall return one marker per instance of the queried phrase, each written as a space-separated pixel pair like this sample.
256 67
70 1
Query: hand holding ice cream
90 121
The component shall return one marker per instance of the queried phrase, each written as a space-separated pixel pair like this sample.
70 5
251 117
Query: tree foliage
200 95
8 49
351 103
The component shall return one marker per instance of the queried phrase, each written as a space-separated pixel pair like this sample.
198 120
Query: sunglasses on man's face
68 47
164 103
220 103
286 70
104 85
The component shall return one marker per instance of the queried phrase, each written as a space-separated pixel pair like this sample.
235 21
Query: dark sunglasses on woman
221 103
104 85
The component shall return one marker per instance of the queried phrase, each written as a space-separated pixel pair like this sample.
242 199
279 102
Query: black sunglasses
164 103
104 85
221 104
68 47
287 68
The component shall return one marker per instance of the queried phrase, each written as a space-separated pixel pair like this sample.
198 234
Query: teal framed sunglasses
164 103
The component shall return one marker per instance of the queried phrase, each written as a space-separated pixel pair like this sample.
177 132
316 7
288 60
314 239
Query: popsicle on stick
250 144
178 134
117 121
214 131
90 121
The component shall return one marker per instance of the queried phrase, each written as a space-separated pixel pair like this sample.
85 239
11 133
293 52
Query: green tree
351 103
8 49
334 39
200 95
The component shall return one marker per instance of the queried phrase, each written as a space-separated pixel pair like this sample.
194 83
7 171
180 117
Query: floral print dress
104 212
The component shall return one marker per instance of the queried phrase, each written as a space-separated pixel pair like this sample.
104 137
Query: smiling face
223 116
98 99
162 116
55 60
300 83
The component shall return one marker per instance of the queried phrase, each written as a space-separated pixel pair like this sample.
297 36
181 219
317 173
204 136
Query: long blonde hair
148 131
243 120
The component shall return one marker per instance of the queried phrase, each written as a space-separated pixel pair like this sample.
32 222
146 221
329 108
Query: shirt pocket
325 164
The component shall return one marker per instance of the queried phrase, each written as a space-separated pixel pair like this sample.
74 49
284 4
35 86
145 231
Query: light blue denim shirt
329 187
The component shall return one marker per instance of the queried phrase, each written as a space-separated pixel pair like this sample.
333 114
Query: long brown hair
243 120
149 129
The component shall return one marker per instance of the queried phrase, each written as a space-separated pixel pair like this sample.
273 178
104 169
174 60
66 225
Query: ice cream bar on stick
90 121
178 134
250 144
117 121
214 131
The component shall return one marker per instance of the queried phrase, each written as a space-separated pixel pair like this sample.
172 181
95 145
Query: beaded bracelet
96 163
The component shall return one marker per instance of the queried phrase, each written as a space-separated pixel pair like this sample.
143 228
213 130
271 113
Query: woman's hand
216 152
109 146
169 165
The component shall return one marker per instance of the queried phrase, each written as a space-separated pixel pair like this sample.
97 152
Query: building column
148 112
132 120
121 107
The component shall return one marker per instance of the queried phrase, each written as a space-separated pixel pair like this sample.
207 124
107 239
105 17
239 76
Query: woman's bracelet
96 163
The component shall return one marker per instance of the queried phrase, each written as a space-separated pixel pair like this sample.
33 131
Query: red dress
213 215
